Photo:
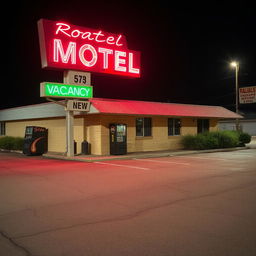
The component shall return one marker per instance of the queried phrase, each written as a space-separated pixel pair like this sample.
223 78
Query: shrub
18 143
201 141
228 139
188 141
244 138
8 142
210 140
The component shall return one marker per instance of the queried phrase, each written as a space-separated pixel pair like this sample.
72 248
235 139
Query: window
202 125
143 126
2 128
174 125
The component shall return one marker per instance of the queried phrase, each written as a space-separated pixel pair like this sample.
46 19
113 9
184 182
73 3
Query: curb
10 151
153 155
129 157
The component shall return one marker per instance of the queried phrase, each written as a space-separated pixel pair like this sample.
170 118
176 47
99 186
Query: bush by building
14 143
244 138
228 139
218 139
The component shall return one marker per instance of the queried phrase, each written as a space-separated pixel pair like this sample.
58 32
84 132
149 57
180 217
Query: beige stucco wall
92 133
95 129
188 126
213 125
159 139
56 131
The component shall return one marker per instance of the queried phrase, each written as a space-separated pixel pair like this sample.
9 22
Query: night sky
185 50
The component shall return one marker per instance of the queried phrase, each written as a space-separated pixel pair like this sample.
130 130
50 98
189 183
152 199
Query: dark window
139 126
203 125
174 125
2 128
143 126
147 126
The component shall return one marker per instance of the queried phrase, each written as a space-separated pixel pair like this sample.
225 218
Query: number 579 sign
78 78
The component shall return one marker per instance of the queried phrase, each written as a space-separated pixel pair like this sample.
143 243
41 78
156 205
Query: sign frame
82 106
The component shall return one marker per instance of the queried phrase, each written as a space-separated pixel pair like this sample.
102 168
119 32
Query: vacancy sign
66 46
57 90
247 95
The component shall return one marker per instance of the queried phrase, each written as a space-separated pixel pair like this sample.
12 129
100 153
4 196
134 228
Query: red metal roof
130 107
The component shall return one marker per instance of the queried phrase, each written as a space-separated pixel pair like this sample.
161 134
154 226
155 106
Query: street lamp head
234 64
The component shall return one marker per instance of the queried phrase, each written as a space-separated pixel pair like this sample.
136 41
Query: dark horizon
185 52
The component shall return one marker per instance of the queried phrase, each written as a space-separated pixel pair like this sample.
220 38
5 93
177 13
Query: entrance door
118 139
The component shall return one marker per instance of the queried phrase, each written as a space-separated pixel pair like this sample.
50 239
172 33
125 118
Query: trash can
75 144
85 148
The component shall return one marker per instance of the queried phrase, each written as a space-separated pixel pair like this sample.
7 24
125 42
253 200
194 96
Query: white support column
70 132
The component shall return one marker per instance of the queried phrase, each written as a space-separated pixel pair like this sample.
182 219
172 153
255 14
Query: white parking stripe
160 161
207 158
243 154
123 165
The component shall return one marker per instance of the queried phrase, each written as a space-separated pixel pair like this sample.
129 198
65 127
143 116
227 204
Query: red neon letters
75 33
65 46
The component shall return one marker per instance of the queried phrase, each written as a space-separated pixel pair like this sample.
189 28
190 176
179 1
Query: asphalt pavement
190 205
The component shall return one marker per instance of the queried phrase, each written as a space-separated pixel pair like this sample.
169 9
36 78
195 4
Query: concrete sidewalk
137 155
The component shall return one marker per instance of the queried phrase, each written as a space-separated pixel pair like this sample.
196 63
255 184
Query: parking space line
123 165
160 161
244 154
207 158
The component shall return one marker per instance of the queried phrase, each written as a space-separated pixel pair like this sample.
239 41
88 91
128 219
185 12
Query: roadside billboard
247 95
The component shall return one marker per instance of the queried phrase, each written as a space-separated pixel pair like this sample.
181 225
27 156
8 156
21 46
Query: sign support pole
70 133
76 86
237 101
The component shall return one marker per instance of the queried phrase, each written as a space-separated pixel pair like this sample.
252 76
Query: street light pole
235 65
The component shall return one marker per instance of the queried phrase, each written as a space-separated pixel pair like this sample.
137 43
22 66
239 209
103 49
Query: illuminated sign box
247 95
57 90
66 46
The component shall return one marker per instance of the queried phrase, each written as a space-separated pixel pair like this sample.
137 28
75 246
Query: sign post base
70 133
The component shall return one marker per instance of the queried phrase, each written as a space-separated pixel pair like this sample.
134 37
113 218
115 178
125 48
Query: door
118 139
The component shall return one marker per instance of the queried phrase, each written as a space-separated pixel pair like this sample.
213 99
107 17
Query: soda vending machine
36 140
118 139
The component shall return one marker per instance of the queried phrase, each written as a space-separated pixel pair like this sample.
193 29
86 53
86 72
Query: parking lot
193 205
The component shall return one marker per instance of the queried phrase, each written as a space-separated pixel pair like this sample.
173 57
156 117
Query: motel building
137 126
108 126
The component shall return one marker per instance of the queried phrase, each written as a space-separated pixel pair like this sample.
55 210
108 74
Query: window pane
2 128
170 127
177 125
205 125
139 126
199 126
202 125
147 126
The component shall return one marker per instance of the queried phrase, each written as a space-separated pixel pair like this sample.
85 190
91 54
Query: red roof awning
130 107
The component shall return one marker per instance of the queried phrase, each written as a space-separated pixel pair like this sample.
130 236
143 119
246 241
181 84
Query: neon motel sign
66 46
